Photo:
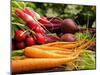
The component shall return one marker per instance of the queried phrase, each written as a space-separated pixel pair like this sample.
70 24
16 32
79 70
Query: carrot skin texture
38 53
30 64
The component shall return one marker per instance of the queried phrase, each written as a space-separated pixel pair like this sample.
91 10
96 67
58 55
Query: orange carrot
59 43
38 53
30 64
85 45
44 47
65 45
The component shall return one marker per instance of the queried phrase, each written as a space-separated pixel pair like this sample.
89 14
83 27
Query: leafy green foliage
87 60
81 36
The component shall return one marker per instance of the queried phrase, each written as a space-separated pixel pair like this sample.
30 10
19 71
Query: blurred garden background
82 14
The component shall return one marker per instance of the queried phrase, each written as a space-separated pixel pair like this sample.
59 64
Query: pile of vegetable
42 43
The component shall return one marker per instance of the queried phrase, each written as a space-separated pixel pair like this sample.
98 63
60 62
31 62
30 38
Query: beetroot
30 41
54 26
20 35
56 20
51 38
68 37
69 26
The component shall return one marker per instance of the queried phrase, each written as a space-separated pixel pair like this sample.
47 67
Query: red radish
20 45
68 37
34 26
20 35
36 15
30 21
44 20
32 13
30 41
40 38
39 30
25 17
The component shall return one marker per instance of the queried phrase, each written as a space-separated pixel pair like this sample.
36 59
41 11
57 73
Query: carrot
59 43
36 64
68 46
38 53
44 47
65 45
85 45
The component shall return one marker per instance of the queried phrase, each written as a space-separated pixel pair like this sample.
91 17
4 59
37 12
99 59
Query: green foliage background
53 10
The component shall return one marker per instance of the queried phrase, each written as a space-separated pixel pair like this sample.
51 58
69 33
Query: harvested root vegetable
54 25
20 35
36 64
68 37
47 59
69 26
51 38
44 47
39 53
64 45
30 41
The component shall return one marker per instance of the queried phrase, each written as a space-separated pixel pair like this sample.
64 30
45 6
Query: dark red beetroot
56 20
51 38
20 35
69 26
68 37
30 41
54 26
20 45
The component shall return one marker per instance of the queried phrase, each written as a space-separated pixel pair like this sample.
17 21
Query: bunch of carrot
47 56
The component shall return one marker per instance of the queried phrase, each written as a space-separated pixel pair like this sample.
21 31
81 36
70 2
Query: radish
20 45
40 38
31 13
31 22
30 41
39 30
25 17
36 16
20 35
44 20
